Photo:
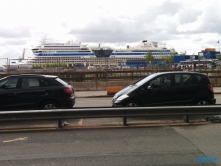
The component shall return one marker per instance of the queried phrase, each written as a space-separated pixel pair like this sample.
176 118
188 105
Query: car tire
202 102
132 104
49 105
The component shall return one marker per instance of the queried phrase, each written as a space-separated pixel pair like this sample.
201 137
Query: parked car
18 92
167 88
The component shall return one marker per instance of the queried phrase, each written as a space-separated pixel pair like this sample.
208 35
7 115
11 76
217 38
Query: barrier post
186 118
125 121
60 125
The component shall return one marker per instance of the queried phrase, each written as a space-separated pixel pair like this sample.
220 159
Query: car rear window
61 81
190 79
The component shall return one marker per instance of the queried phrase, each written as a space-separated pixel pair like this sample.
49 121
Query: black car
29 91
167 88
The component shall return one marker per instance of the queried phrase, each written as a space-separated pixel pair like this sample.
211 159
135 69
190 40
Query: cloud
15 41
187 25
14 32
131 29
189 15
211 21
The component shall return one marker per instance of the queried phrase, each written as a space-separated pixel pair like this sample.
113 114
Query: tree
172 56
149 57
183 53
169 59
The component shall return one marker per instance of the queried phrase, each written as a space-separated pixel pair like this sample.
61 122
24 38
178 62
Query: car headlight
121 98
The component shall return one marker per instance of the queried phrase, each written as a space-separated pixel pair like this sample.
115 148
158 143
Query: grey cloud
15 32
64 24
130 29
169 7
149 26
16 41
210 20
189 15
100 35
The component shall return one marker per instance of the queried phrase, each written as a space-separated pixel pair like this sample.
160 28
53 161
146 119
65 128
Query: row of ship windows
154 53
45 49
60 59
67 62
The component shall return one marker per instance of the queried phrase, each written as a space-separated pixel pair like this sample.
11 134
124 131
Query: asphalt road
153 146
112 145
106 101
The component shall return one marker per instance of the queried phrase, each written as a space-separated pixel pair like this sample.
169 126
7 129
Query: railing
89 75
60 114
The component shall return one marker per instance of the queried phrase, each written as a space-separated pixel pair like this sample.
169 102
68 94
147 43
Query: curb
95 96
99 96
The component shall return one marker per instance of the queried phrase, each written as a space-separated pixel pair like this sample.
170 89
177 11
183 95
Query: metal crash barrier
124 112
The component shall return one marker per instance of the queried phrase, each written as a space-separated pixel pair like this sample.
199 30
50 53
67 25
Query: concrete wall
99 85
216 82
78 86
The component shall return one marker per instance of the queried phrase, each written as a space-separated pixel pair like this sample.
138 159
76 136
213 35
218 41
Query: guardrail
125 112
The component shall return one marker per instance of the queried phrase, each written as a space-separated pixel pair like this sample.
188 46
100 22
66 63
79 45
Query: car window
34 82
8 83
43 82
30 82
161 81
202 79
61 81
186 79
144 80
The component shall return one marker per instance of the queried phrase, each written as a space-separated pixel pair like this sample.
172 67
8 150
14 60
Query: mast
23 54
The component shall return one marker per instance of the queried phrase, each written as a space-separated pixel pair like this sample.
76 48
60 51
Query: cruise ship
77 53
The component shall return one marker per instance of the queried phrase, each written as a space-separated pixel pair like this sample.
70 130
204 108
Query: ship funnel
23 54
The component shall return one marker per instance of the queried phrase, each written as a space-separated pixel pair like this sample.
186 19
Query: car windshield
144 80
3 81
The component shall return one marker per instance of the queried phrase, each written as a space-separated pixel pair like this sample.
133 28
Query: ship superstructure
75 53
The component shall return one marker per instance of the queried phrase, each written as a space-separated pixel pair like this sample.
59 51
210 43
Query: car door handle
42 93
11 94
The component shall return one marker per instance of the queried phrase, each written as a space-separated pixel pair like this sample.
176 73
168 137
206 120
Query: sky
190 25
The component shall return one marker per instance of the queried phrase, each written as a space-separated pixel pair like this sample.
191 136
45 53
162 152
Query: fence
117 75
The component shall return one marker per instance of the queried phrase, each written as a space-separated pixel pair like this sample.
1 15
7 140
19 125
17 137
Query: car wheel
202 102
49 105
132 104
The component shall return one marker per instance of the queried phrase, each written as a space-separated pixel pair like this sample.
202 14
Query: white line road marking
17 139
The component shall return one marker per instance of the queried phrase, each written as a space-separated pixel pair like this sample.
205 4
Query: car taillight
210 86
68 90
